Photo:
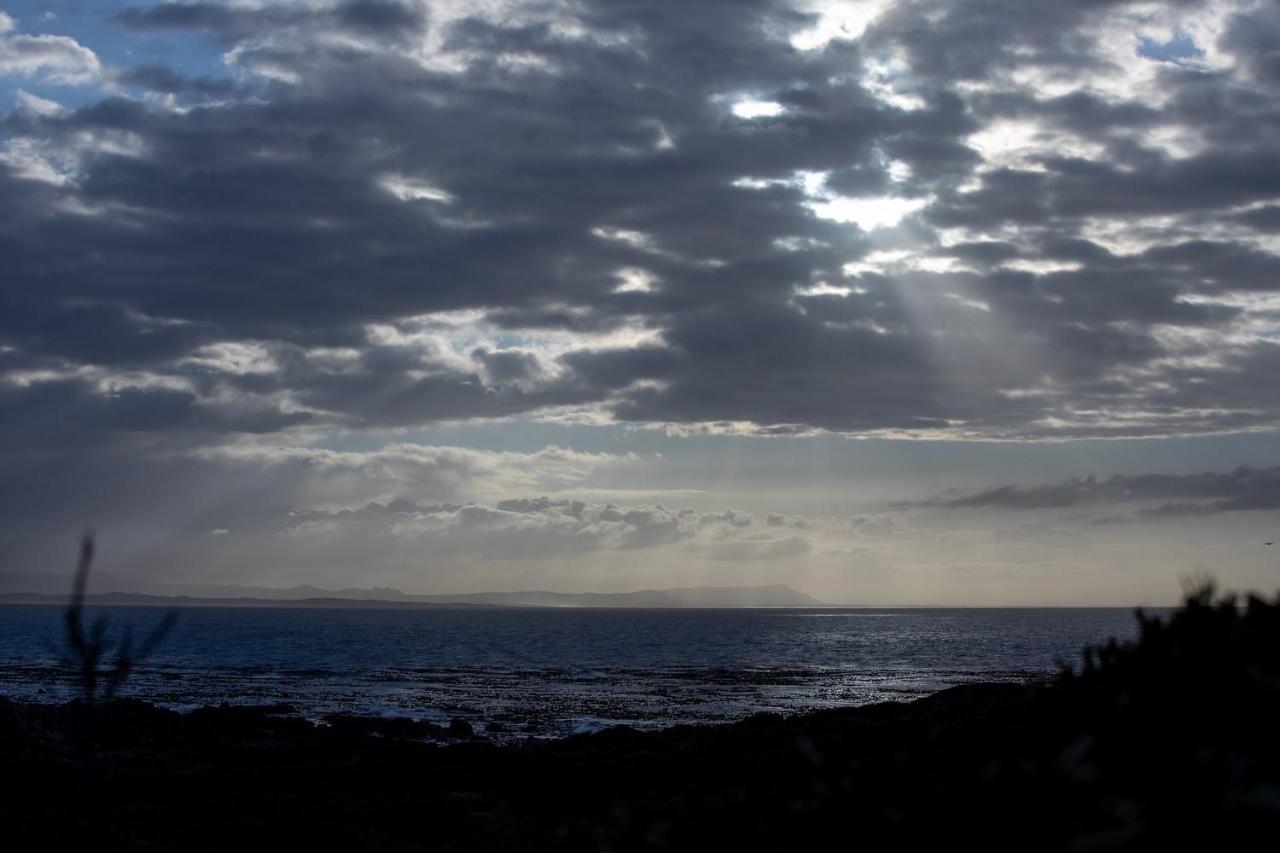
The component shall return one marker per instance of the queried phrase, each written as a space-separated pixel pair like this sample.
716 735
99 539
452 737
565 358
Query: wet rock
460 729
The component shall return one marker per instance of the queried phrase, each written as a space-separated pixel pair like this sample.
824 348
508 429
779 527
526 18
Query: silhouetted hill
57 583
775 595
135 599
51 588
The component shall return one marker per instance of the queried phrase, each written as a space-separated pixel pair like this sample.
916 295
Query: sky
921 302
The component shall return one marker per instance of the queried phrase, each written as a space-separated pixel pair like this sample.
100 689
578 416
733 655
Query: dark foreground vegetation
1171 742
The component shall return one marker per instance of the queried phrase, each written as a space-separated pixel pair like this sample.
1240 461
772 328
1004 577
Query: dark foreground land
1169 743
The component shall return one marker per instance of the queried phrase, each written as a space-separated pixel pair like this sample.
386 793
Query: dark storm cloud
1254 37
1242 489
162 78
980 39
1074 188
346 187
1262 218
231 23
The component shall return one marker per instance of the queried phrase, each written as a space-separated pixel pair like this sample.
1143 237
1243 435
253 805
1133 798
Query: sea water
546 672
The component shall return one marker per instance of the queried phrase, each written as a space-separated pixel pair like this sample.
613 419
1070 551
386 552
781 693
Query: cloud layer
1244 489
985 218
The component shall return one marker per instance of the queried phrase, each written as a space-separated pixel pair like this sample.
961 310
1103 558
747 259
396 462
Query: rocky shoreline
1165 742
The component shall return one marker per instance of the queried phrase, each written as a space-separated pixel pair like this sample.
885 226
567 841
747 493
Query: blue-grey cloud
1243 489
346 180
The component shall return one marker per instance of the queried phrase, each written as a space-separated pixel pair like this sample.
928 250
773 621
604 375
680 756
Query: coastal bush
1180 721
103 662
1216 647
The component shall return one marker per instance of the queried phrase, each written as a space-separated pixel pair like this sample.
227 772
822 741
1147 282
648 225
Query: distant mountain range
105 589
776 595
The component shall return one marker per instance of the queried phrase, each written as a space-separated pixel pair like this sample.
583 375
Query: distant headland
45 588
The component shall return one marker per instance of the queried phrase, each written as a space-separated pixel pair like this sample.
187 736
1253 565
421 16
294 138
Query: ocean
547 672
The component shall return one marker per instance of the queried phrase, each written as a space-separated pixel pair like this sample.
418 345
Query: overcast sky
896 302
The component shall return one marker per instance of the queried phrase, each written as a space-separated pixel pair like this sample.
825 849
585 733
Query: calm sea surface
547 672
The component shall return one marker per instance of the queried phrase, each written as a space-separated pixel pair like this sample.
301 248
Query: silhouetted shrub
1177 727
103 663
1214 642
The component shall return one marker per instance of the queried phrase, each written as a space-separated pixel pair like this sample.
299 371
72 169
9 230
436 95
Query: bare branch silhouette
90 648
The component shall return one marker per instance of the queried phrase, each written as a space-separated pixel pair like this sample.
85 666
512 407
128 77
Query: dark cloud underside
1244 489
378 182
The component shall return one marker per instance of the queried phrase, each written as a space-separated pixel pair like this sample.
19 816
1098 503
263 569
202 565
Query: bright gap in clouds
756 109
836 19
867 213
411 189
